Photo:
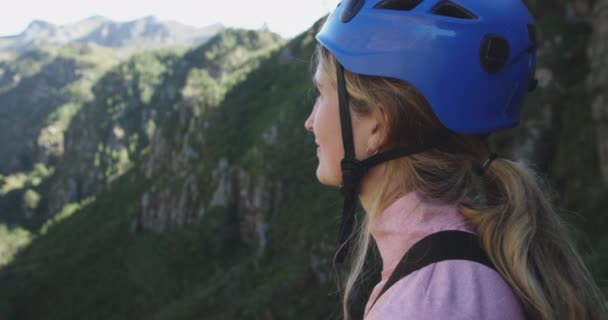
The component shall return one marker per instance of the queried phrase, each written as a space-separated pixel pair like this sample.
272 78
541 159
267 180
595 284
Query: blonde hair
519 229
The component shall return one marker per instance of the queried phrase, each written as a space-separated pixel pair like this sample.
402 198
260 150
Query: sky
286 17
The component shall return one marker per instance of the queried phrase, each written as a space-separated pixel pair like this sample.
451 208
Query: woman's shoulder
454 289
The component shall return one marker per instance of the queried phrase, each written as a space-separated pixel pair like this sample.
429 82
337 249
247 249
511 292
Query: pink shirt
453 289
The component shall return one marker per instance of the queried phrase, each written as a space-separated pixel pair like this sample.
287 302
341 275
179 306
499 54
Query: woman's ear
379 130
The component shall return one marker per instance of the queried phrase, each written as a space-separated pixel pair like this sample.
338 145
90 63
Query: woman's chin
326 179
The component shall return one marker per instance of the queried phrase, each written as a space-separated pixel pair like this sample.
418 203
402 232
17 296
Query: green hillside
39 93
179 272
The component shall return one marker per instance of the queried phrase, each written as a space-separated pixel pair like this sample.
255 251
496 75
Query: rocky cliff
132 102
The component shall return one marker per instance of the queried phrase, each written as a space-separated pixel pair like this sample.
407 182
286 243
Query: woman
408 92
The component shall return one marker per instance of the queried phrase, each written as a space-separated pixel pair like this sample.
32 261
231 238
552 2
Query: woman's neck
404 217
373 184
370 187
407 220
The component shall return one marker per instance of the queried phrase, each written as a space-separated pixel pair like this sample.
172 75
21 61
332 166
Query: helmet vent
450 9
402 5
494 53
351 9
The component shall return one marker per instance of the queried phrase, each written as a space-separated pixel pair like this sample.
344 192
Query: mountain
132 101
186 186
40 93
147 32
150 140
36 91
51 100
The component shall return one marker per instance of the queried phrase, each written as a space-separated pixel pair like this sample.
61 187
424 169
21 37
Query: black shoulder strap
440 246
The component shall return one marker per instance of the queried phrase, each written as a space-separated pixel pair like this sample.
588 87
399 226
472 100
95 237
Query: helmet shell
441 56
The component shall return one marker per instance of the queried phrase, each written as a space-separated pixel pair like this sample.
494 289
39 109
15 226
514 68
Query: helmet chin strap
354 170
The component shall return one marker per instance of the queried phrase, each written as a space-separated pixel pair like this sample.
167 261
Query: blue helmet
473 60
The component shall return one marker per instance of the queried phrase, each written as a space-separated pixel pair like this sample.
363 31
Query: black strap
440 246
345 120
351 170
432 142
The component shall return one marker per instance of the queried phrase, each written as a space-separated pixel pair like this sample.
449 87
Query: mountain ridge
146 32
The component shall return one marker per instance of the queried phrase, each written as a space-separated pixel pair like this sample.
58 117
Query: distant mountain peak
145 32
93 19
149 19
96 17
38 25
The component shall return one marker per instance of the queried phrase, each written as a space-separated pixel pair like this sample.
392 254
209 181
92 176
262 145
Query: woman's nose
308 123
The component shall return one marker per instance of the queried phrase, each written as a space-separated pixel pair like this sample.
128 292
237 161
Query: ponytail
530 245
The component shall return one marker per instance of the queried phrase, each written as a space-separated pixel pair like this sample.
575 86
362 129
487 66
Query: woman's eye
317 100
317 95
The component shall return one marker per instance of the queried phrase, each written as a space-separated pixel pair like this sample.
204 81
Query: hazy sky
287 17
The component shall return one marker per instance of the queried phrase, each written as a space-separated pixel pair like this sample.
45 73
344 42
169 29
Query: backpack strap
440 246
